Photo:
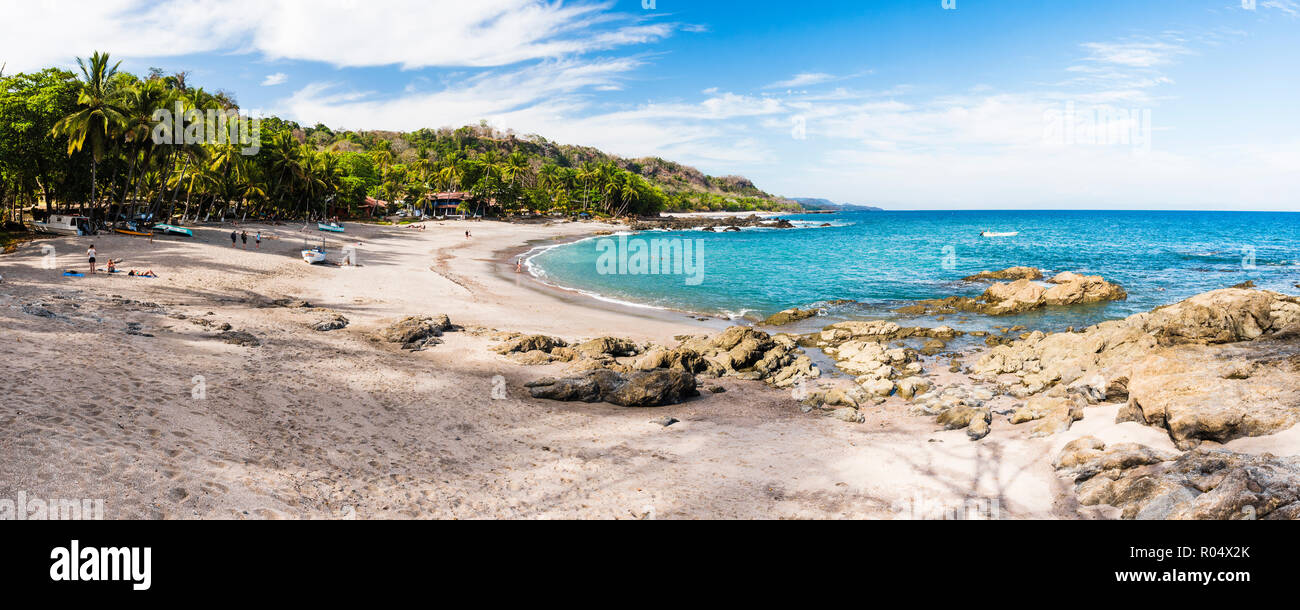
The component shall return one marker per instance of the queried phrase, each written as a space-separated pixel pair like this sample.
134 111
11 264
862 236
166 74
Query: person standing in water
234 236
258 240
244 236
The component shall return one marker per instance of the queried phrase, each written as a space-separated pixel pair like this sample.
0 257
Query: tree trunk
94 176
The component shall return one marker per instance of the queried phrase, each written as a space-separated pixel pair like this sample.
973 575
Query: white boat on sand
63 224
314 254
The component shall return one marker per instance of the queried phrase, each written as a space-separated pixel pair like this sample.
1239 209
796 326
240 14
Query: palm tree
99 117
452 172
140 101
586 173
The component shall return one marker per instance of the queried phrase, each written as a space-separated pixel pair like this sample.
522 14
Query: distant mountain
812 203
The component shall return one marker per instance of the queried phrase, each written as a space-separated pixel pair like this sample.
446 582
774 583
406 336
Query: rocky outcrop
789 316
1202 393
685 223
1074 289
1223 316
240 338
1146 483
1049 415
414 332
636 389
329 323
1011 273
606 348
1216 393
1024 295
740 352
517 343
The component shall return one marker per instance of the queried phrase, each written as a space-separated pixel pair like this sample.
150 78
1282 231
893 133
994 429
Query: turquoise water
883 260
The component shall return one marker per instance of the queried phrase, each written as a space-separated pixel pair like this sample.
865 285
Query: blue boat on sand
173 230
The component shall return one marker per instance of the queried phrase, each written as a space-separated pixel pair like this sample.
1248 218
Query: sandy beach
121 388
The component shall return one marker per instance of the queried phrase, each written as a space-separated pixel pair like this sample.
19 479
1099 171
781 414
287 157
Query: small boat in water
173 230
992 234
332 227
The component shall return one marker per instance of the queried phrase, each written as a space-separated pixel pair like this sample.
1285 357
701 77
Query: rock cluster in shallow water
1023 294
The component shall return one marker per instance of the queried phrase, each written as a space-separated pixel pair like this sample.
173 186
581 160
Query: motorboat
62 224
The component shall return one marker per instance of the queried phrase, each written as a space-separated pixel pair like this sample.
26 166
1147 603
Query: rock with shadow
636 389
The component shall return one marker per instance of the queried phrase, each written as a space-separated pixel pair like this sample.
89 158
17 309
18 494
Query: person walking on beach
90 253
467 235
234 236
244 236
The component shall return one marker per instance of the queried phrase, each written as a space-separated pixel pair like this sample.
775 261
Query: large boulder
1202 393
528 343
329 323
789 316
1052 414
1015 297
1224 316
635 389
1074 289
606 347
414 332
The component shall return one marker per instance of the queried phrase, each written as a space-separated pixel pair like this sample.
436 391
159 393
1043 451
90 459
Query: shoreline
505 258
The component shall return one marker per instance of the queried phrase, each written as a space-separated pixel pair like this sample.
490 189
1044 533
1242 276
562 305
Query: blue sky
900 103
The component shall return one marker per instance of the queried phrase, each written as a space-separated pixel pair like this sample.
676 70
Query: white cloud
1290 7
279 78
803 79
1139 54
408 33
542 87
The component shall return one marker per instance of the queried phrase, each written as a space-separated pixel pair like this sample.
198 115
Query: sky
905 104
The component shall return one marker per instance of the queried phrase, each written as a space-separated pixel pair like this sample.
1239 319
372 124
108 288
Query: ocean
879 261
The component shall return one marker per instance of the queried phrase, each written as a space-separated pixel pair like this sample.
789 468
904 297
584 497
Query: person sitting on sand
112 266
